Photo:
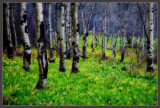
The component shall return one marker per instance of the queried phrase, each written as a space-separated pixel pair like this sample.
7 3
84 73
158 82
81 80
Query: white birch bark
150 45
24 33
75 38
50 32
104 37
42 54
93 38
61 37
8 31
68 31
115 46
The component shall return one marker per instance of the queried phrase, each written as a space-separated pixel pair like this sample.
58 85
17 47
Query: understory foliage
98 82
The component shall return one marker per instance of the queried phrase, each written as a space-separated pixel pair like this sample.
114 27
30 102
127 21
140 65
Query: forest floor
98 82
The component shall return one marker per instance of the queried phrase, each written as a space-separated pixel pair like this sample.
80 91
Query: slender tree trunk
143 45
24 33
112 46
50 33
93 37
123 37
150 45
137 50
68 31
41 45
123 45
8 31
98 36
132 41
57 45
84 37
115 46
14 29
85 32
61 37
75 38
104 37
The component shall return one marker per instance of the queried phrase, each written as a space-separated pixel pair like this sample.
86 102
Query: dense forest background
80 53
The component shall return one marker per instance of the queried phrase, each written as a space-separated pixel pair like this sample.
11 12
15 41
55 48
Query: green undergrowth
98 82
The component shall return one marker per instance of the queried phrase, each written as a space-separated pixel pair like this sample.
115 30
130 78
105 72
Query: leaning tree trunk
42 54
85 32
61 37
50 33
68 31
75 38
8 31
150 46
24 33
104 37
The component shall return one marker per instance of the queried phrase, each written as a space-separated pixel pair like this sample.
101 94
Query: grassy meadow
98 82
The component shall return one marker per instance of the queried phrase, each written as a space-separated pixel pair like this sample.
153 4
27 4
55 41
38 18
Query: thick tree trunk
24 33
8 31
61 37
75 38
150 45
50 33
68 31
42 54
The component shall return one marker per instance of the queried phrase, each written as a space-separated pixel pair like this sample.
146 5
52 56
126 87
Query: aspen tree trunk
85 32
123 43
104 37
132 41
96 39
98 36
115 46
8 31
68 31
150 45
84 37
137 50
143 47
57 45
50 33
75 38
24 33
123 37
42 54
93 37
61 37
112 46
14 29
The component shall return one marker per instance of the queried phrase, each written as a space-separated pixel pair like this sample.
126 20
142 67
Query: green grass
98 82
